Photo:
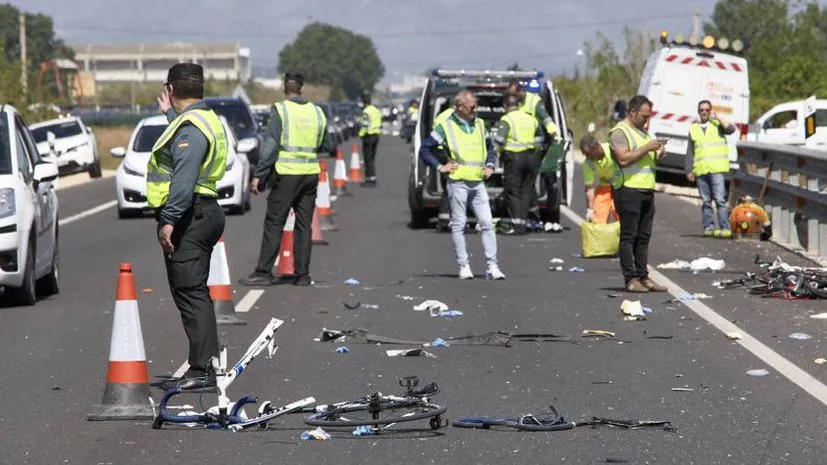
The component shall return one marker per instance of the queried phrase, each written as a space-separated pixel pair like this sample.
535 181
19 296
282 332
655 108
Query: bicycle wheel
377 413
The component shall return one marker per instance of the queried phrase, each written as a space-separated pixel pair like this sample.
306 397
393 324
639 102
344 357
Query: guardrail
796 192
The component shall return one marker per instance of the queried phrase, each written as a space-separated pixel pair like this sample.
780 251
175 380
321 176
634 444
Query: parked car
348 119
786 123
29 257
241 119
68 143
130 178
334 126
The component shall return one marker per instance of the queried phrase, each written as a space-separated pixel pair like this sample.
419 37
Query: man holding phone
707 161
635 155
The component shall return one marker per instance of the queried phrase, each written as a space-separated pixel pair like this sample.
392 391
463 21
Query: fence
796 193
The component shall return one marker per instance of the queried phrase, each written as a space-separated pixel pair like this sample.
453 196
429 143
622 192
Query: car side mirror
88 130
246 145
118 152
51 138
45 172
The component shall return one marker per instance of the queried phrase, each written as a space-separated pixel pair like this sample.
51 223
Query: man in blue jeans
471 161
707 162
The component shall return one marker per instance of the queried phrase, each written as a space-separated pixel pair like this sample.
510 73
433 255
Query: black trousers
188 268
636 208
369 143
519 173
299 193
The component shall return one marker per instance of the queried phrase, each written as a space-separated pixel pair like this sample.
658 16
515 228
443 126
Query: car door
783 127
44 199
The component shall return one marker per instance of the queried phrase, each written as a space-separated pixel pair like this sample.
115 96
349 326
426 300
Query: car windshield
236 114
61 130
5 150
146 137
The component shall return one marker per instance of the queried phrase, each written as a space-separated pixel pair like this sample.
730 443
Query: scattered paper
820 361
699 264
556 260
734 336
430 305
758 372
317 434
819 316
631 308
342 350
352 282
800 336
576 269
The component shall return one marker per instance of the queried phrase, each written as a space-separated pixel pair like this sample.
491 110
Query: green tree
41 42
333 56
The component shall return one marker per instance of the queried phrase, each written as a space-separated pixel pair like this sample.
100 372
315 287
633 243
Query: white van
676 78
784 124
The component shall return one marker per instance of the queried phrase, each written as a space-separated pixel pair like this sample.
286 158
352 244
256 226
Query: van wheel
419 218
25 294
95 169
50 284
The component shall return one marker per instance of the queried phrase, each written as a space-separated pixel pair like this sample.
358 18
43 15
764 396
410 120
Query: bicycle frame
228 416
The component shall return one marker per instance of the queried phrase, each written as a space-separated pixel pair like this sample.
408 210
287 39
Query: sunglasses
704 110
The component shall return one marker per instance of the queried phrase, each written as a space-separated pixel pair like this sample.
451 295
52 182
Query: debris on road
556 260
576 269
342 350
352 282
800 336
597 333
495 338
734 336
699 264
633 311
555 268
820 361
409 353
819 316
439 342
352 306
686 297
405 297
317 434
758 372
148 290
682 389
446 313
364 430
431 305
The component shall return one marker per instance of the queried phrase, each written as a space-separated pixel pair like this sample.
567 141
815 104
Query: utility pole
24 68
696 24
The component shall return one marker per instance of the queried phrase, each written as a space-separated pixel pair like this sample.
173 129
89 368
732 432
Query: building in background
150 62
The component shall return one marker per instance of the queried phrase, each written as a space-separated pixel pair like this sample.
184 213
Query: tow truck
489 86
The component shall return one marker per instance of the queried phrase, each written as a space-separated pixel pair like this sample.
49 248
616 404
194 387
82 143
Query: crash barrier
792 184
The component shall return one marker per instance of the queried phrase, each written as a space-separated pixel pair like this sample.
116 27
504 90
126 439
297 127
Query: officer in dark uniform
186 162
296 134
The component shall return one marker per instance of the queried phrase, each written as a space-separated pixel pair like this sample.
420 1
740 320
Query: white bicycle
228 415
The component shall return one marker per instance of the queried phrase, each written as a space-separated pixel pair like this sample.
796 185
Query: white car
130 178
68 143
29 255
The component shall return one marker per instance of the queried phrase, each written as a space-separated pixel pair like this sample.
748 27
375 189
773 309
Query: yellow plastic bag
600 240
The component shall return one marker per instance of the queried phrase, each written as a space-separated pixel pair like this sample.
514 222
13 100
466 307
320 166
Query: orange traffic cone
340 176
126 396
355 165
221 291
285 264
323 204
317 238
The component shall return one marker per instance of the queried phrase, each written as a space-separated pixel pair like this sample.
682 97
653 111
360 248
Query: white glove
590 215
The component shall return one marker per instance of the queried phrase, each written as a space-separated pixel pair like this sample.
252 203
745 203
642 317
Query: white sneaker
553 227
494 272
465 272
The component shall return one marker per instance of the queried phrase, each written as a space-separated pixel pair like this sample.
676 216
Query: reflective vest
530 104
302 133
371 121
468 150
711 149
443 117
641 175
522 129
600 172
159 168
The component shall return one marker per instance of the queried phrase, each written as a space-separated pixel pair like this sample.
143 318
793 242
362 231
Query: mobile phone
663 140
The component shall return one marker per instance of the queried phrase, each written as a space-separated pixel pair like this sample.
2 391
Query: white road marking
788 369
90 212
243 306
249 300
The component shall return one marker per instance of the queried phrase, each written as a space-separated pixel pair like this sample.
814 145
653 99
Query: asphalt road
55 353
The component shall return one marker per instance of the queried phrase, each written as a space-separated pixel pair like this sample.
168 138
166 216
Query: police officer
635 154
532 104
186 162
472 160
517 137
370 128
296 134
707 162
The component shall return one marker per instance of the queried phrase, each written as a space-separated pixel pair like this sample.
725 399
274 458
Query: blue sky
410 35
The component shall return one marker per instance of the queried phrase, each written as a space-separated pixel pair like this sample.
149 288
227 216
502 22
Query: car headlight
7 204
130 171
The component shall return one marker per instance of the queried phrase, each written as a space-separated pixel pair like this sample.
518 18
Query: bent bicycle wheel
385 413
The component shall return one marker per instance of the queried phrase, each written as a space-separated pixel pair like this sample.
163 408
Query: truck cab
785 124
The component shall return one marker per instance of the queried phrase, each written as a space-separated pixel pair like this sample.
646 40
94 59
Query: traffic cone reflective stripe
355 165
340 176
317 238
285 263
126 396
323 204
221 292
